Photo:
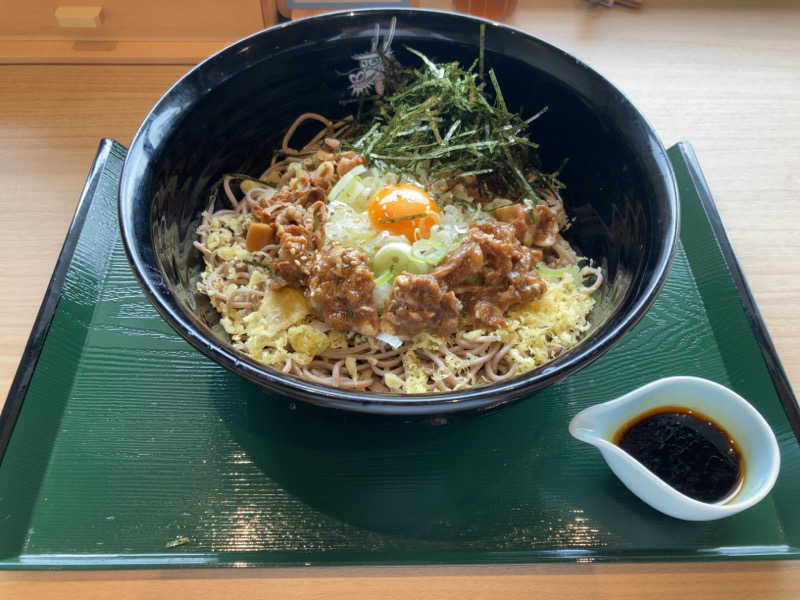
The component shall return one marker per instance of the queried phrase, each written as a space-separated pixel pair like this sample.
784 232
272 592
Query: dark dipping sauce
685 449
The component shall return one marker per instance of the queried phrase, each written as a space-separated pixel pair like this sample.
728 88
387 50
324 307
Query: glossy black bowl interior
230 112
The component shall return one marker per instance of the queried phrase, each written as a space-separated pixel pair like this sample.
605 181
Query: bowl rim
484 397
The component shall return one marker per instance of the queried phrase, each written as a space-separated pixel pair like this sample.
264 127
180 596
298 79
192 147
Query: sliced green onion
497 203
417 266
384 277
544 270
396 257
428 251
393 256
345 181
356 194
360 235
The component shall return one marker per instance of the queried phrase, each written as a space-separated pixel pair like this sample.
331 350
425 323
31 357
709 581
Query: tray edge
754 318
49 305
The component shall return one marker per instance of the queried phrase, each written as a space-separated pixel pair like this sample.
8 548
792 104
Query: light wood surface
723 75
127 31
124 20
98 52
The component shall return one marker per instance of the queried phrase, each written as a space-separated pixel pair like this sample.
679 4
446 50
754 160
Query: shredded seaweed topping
448 123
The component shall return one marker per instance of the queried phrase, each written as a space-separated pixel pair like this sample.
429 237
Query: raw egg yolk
404 209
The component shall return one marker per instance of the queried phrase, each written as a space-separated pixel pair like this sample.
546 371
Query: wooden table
723 75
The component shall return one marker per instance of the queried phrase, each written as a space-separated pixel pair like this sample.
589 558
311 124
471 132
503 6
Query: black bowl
229 113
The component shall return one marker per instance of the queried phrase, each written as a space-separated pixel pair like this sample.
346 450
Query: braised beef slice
543 233
294 256
347 161
418 303
489 271
546 226
300 232
325 169
340 289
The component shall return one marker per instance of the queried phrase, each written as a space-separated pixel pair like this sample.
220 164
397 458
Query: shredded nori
445 121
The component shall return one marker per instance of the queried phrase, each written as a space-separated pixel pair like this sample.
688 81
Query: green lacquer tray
125 447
